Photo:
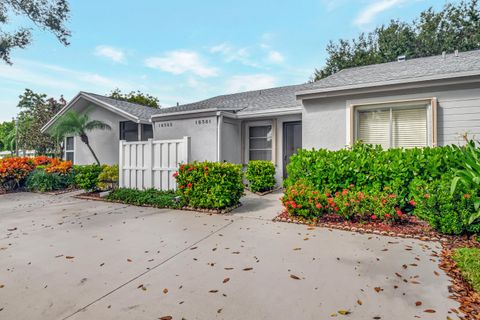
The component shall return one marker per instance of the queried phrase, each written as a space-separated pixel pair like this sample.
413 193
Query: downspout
219 136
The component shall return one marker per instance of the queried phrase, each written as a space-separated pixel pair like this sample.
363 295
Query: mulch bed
460 289
413 228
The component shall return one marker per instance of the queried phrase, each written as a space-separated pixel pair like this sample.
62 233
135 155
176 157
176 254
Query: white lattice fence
150 164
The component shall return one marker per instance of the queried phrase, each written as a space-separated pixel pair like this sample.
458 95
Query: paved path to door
65 258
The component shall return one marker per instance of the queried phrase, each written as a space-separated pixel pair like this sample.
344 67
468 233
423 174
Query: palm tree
74 123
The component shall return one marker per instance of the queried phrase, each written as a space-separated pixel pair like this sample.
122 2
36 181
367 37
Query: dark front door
292 141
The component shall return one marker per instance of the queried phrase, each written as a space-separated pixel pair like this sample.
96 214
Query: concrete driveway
65 258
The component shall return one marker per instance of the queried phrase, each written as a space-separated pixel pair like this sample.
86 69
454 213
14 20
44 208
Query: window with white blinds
393 127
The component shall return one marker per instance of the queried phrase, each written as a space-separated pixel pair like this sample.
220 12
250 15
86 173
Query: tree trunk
84 139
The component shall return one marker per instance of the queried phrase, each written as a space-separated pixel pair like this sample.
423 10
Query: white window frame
430 105
65 150
248 125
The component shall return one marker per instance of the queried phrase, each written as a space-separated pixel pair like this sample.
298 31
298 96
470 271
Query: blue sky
183 51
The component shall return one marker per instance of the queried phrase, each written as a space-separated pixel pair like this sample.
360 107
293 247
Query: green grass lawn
468 260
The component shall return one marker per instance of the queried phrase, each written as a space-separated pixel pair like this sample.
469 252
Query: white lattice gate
150 164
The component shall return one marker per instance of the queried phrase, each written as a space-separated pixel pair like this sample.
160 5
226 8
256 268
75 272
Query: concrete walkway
65 258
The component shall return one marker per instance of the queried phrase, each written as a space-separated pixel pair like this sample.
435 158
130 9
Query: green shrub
260 175
41 181
86 177
468 260
468 175
210 185
414 181
446 212
150 197
370 168
108 178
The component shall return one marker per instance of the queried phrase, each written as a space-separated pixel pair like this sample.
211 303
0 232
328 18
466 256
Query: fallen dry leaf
69 257
344 312
418 303
429 311
165 290
359 302
226 280
378 289
247 269
213 291
296 249
129 260
294 277
165 318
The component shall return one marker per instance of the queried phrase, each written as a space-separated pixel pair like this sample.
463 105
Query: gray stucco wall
325 121
202 132
105 143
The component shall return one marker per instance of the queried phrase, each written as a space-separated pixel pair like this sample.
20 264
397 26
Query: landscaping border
264 193
357 227
88 196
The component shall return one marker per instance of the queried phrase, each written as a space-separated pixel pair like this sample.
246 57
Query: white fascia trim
112 108
271 112
179 113
304 93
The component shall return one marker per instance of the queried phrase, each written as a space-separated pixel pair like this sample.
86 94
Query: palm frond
96 124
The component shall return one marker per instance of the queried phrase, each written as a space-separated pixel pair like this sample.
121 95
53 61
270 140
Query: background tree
50 15
36 111
7 136
456 26
136 97
76 124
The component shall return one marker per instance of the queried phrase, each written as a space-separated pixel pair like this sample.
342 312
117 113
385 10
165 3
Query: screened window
69 149
128 131
260 142
147 132
393 127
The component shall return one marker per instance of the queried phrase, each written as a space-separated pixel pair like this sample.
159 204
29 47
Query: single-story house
128 121
254 125
420 102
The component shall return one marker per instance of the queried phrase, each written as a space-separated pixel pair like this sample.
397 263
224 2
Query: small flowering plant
301 199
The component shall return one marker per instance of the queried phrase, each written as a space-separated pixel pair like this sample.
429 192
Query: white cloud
368 14
231 53
114 54
250 82
181 61
275 57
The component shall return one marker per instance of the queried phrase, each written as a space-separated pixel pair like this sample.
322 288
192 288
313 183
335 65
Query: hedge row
418 180
48 174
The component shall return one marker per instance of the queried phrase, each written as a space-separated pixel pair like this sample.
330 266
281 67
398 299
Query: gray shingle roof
404 70
137 110
243 102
